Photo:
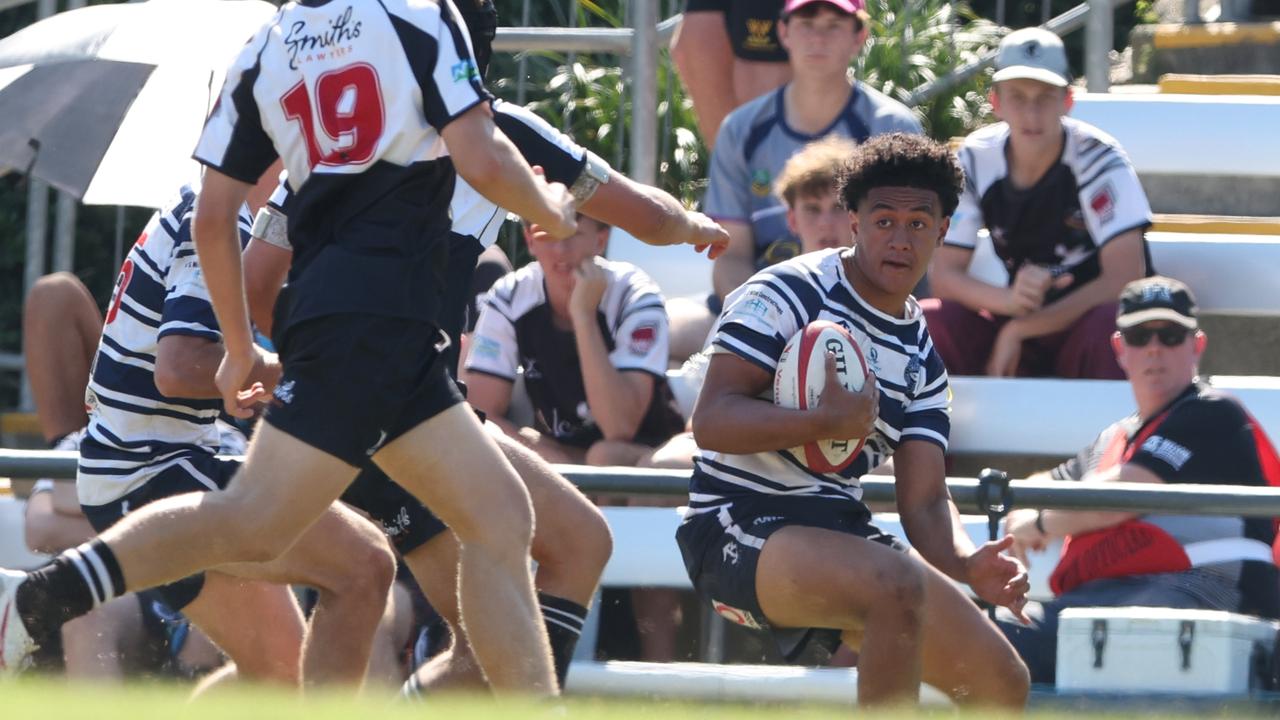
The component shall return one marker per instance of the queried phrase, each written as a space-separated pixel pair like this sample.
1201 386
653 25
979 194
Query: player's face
822 42
1033 110
896 230
820 222
559 258
1155 367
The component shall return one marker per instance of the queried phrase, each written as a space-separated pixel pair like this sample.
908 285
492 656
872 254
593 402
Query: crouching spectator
591 337
1183 432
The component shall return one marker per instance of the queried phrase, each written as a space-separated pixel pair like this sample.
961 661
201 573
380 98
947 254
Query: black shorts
752 26
197 473
354 382
405 520
721 550
457 297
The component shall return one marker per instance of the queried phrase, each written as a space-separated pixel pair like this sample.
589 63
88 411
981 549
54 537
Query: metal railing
968 493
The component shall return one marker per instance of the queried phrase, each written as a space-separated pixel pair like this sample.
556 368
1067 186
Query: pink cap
849 6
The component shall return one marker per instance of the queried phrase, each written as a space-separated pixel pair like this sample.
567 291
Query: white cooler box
1159 650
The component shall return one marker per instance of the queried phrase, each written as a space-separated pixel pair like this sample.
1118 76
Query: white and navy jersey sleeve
234 141
494 349
187 308
1111 197
928 412
762 315
637 315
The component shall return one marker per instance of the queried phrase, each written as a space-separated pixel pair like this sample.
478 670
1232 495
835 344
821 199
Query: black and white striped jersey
134 431
758 320
1086 199
353 96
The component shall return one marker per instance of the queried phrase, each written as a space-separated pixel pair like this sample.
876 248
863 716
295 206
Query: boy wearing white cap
1067 217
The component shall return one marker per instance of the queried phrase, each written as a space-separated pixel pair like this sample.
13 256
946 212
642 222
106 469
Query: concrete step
1206 49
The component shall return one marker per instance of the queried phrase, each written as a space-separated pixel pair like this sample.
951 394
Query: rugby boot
16 644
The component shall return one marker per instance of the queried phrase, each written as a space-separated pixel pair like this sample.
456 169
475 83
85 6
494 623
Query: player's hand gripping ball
801 378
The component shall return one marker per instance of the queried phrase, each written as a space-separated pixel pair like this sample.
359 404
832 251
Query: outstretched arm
653 215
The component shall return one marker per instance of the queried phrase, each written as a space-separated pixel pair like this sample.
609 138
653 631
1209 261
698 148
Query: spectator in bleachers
1184 431
727 52
134 633
822 37
591 337
1067 217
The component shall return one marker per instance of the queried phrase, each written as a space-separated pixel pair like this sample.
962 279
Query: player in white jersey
359 99
775 546
571 543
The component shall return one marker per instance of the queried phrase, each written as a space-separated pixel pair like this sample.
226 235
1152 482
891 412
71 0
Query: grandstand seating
1234 134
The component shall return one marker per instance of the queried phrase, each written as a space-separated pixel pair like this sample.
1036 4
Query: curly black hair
902 160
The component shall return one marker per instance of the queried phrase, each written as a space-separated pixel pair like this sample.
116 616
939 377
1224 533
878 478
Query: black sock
74 583
564 619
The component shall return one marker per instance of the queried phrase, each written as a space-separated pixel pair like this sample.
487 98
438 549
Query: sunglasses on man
1169 335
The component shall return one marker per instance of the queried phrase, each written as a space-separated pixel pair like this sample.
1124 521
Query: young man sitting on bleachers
1067 217
591 336
1184 431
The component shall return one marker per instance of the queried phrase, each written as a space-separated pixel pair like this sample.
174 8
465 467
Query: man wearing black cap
1184 431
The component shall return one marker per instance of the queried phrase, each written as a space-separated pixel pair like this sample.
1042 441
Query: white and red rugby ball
801 376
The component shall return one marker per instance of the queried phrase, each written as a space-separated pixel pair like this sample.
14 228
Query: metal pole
1099 31
522 67
37 229
64 234
64 229
644 93
1191 11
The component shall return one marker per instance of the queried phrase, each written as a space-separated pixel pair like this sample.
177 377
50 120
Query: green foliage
914 42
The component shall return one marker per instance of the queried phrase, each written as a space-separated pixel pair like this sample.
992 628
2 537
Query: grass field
46 700
51 700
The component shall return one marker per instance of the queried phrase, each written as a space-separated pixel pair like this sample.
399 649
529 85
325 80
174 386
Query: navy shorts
354 382
721 551
405 520
197 473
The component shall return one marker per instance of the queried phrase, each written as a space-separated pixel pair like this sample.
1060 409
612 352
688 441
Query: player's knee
54 290
577 535
900 588
373 571
1008 683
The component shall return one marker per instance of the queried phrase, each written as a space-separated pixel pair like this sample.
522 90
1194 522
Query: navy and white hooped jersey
353 96
475 216
134 431
758 320
755 143
1091 195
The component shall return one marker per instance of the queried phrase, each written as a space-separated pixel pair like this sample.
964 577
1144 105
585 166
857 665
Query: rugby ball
801 376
